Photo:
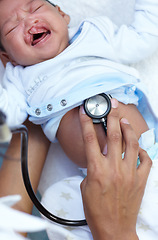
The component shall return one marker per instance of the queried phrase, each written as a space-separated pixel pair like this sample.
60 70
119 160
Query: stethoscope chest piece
98 107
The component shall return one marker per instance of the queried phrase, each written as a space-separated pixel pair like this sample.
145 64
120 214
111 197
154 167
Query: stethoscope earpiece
98 107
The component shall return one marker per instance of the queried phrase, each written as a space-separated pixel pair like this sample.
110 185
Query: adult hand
113 189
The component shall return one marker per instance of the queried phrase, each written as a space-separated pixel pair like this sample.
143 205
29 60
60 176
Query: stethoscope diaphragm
98 107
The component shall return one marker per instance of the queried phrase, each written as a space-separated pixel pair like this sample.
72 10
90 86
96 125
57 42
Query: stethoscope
96 107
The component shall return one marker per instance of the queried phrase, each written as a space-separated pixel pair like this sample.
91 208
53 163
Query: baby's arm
70 136
133 43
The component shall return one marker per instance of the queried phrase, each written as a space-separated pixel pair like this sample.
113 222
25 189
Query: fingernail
105 150
114 103
82 109
124 120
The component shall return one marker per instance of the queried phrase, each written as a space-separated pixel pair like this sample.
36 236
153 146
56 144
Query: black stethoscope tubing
99 118
24 166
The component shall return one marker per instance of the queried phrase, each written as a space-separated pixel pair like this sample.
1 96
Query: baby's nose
30 21
28 18
21 14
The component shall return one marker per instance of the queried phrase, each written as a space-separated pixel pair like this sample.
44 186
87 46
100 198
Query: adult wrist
114 235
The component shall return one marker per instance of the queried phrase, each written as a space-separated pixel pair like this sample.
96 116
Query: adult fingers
145 165
92 147
131 144
114 135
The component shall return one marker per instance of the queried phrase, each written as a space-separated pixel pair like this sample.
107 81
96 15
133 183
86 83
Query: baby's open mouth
38 37
38 33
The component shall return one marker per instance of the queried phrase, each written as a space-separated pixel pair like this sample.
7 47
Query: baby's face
32 31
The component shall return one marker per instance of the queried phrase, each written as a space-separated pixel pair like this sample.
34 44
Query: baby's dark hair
1 46
51 3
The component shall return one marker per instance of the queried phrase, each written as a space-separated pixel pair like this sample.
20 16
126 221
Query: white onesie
91 64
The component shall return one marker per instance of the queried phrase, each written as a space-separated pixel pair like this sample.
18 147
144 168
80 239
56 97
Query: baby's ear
5 58
63 14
